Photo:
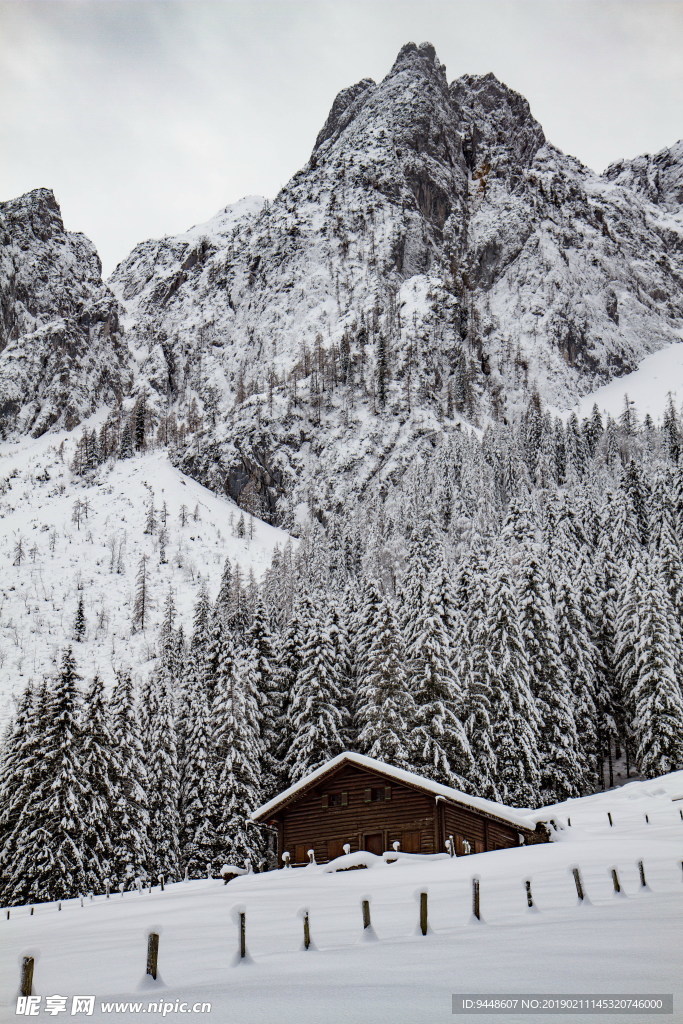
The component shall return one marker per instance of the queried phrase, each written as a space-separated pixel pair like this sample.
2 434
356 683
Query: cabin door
374 843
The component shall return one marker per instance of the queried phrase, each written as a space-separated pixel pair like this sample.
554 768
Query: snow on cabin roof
524 819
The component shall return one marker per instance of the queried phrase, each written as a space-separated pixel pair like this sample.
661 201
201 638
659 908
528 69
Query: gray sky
147 116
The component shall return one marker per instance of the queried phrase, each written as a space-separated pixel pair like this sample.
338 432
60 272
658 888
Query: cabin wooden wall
408 816
482 833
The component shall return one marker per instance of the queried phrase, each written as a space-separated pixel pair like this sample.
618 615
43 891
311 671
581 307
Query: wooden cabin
371 805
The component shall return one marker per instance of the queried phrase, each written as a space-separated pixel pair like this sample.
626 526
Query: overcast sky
147 116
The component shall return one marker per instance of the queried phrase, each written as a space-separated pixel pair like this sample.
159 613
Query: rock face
436 259
61 354
544 273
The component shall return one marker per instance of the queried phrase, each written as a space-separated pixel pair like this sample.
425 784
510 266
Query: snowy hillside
623 943
648 387
62 536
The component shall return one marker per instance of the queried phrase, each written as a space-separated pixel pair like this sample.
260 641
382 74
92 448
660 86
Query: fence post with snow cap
476 908
579 884
161 882
152 954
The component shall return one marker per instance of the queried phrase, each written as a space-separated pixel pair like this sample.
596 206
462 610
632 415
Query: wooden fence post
307 930
152 954
161 882
243 935
107 887
615 880
529 897
578 883
423 913
32 909
366 913
8 915
641 870
611 823
647 819
26 976
476 910
59 905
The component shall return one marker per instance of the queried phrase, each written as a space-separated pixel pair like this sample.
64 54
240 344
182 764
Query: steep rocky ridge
435 261
61 351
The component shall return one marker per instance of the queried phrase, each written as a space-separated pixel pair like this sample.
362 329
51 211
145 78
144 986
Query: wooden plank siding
339 809
308 824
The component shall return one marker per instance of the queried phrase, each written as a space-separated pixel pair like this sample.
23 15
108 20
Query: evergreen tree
557 739
515 722
159 733
131 856
79 623
315 709
102 771
384 705
237 740
437 740
48 861
656 693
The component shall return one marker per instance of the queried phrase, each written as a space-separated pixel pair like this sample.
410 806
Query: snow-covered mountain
538 270
61 350
434 263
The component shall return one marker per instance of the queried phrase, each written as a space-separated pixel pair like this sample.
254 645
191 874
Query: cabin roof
520 818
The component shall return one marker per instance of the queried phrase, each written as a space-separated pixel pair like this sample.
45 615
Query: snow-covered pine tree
131 853
48 861
159 735
505 672
579 659
470 667
260 643
79 622
21 770
196 777
315 708
655 690
238 747
557 740
102 771
384 706
438 746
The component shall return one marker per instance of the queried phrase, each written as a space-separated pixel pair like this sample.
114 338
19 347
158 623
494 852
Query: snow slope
38 598
624 943
657 375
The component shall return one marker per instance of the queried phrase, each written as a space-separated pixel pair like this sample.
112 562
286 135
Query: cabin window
377 794
336 799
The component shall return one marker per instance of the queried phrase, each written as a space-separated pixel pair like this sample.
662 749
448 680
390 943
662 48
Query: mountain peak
37 211
420 58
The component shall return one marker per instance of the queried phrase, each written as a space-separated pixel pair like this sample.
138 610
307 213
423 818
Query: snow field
657 375
38 598
611 943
